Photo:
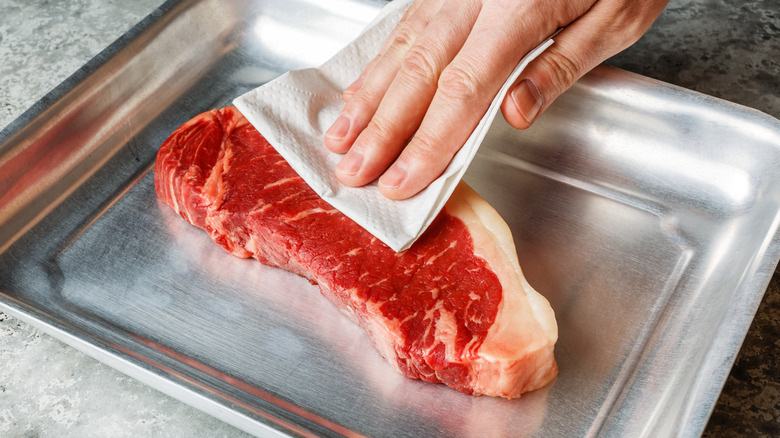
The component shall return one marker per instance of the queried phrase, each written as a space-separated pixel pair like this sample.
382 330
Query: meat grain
454 308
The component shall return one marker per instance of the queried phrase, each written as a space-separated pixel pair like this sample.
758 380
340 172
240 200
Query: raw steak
454 308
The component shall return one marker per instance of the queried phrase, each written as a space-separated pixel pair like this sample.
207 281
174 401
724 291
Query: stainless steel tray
646 213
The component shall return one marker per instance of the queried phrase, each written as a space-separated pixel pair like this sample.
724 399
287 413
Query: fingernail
350 164
527 99
394 177
339 128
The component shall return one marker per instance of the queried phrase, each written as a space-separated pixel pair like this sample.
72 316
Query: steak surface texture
454 308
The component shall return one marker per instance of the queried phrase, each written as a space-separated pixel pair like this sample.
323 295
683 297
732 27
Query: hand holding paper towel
294 110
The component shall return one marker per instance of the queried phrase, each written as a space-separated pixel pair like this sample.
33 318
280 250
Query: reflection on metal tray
646 213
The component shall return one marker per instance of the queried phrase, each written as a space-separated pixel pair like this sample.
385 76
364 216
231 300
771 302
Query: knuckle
563 69
364 97
459 81
419 64
635 18
382 129
363 100
425 150
403 38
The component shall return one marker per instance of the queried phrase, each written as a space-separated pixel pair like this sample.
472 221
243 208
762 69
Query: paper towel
293 112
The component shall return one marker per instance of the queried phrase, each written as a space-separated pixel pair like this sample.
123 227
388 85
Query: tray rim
763 269
18 125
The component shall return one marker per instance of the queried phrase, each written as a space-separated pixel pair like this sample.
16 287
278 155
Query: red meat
454 308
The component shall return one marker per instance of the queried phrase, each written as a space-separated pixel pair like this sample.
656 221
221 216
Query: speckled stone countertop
725 49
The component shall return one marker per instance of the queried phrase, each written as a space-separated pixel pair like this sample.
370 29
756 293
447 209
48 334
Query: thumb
585 43
543 80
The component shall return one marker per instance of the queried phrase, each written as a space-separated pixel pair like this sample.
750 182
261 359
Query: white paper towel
293 112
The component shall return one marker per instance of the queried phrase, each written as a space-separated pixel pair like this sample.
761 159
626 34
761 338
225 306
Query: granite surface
725 49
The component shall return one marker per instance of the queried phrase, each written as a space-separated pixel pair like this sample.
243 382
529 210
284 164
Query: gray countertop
725 49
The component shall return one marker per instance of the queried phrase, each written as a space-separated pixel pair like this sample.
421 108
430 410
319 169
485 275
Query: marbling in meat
454 308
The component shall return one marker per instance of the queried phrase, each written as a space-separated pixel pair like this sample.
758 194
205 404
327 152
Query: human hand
417 102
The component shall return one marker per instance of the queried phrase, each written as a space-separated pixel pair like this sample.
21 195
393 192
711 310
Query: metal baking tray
647 214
